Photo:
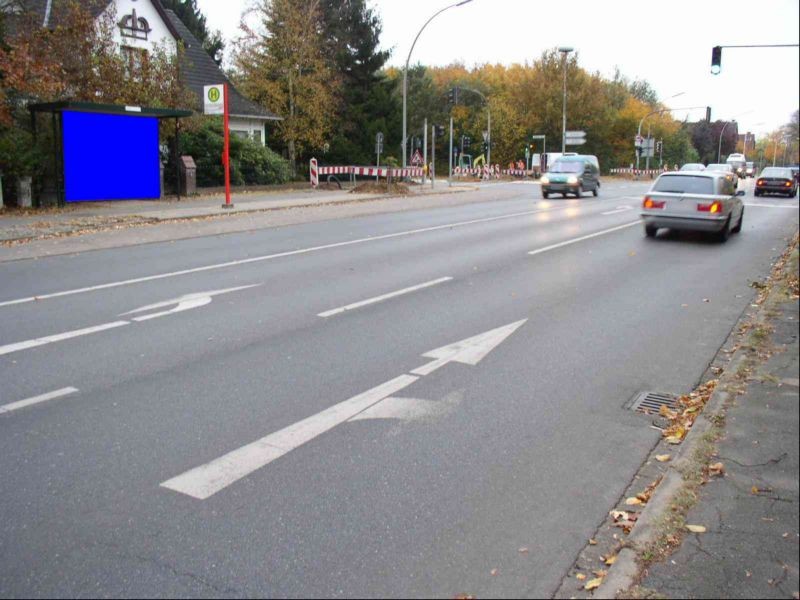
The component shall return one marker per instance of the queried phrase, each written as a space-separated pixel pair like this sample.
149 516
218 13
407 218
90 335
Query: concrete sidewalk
750 549
36 224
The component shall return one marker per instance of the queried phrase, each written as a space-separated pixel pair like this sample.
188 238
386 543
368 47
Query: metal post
661 154
489 151
775 154
177 159
450 176
647 158
433 157
424 150
564 122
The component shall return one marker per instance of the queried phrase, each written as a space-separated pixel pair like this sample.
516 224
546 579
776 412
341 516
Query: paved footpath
751 547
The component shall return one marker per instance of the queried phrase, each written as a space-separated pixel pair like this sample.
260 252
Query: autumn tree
281 63
191 16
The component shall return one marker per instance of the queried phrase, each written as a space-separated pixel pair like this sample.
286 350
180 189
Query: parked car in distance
693 167
750 169
694 201
571 175
725 168
739 164
776 180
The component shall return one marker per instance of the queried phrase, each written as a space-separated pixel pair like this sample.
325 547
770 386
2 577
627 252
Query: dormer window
134 26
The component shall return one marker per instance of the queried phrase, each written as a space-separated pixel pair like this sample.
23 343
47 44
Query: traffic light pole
433 157
450 176
424 151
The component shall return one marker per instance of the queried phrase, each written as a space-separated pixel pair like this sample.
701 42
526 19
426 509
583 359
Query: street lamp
564 51
405 76
721 133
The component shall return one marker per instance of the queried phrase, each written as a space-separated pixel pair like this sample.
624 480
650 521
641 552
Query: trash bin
188 176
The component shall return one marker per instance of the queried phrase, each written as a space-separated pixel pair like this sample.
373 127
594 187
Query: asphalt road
139 476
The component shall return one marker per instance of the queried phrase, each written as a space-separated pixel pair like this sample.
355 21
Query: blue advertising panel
110 157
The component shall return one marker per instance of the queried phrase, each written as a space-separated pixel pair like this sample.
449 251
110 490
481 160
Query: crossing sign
416 158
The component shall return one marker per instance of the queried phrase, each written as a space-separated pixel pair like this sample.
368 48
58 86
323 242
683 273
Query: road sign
416 158
638 141
379 138
575 138
576 134
214 99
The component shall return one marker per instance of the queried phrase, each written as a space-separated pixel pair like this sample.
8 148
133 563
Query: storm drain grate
650 403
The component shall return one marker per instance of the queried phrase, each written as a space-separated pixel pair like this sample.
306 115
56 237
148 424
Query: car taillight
714 208
650 203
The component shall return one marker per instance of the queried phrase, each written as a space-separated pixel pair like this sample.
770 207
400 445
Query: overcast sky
668 43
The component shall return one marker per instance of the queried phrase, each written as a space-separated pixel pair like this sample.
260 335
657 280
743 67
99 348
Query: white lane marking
51 339
408 290
404 409
619 209
206 480
470 351
38 399
770 205
582 238
255 259
184 303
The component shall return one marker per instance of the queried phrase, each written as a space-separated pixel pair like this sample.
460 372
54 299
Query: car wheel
723 235
545 195
738 228
563 194
650 231
756 193
596 190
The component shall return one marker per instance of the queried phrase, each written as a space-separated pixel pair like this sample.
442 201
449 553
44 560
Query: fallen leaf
754 490
633 502
523 550
593 584
785 536
580 577
494 572
706 300
618 515
748 574
674 440
662 458
696 528
593 542
717 469
611 560
600 573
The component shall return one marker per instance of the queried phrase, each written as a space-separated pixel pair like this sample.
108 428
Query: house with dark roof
142 25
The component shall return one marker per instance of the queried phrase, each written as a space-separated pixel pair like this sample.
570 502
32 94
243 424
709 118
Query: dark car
776 180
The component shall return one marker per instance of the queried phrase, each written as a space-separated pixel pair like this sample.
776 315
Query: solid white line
206 480
619 210
770 205
50 339
585 237
408 290
255 259
37 399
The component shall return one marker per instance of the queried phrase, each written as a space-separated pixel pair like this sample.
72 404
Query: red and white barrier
639 172
316 171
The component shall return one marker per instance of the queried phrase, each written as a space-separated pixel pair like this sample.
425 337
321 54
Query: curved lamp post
565 50
721 134
489 124
405 77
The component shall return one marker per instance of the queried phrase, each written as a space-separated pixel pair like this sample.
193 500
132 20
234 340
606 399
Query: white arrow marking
184 303
206 480
410 409
469 351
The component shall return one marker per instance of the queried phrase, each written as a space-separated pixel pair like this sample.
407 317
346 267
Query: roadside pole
450 176
424 150
227 150
433 157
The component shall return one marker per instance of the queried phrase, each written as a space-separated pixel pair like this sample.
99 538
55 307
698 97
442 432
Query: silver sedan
695 201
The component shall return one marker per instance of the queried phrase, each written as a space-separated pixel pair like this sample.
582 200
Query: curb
624 573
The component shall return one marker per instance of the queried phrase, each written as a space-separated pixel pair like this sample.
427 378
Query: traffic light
452 96
485 147
708 114
439 129
716 60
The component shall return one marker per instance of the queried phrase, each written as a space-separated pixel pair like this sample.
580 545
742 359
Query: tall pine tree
189 13
367 103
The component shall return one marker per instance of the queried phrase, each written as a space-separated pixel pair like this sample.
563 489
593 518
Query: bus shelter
104 152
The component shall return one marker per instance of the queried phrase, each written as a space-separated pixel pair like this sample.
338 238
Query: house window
257 136
134 26
240 134
135 60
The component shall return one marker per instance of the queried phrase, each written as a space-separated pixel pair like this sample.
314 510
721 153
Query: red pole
226 153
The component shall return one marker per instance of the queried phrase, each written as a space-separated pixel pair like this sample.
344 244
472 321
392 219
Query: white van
739 164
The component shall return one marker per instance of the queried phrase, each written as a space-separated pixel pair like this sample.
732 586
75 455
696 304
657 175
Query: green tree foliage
191 16
251 163
282 64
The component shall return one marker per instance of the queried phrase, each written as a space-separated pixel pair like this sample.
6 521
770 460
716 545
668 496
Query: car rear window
564 166
785 173
684 184
719 167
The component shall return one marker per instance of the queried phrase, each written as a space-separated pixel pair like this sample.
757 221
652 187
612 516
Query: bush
251 163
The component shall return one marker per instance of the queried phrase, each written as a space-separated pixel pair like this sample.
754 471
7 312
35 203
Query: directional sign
575 138
379 138
206 480
416 158
576 134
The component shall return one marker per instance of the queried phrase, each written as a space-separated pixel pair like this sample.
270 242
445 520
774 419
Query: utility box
188 176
